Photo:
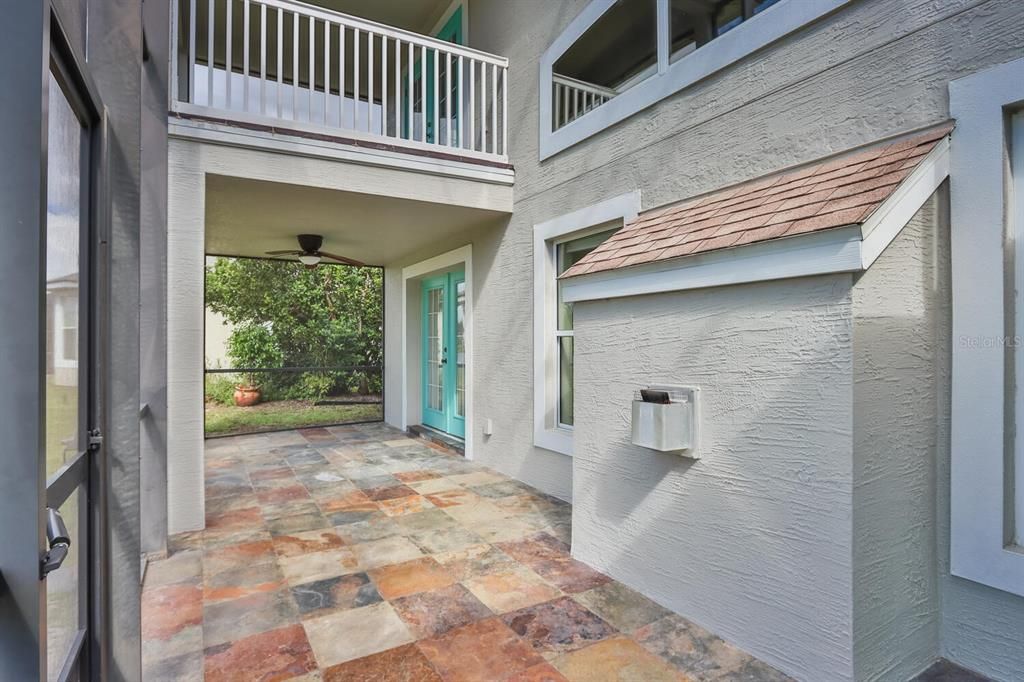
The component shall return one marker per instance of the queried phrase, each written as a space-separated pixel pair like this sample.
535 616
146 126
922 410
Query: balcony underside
247 217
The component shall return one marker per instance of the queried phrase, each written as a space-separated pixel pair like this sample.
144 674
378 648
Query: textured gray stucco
897 340
753 540
874 69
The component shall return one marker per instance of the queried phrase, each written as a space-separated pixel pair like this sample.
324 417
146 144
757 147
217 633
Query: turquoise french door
449 83
444 353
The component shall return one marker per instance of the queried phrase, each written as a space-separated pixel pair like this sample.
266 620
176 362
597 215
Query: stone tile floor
356 553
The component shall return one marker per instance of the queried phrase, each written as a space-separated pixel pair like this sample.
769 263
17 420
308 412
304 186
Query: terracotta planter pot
246 396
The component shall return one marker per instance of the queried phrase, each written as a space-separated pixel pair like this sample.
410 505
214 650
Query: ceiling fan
309 252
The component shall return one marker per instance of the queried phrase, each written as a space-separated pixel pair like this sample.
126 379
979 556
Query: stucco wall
871 70
897 341
753 540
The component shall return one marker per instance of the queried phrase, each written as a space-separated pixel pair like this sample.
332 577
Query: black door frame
34 44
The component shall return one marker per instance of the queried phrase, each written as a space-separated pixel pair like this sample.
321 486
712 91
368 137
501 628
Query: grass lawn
282 414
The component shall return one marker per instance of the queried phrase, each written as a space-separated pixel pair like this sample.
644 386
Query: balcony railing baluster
423 93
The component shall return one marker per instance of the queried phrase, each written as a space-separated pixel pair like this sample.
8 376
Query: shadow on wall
768 475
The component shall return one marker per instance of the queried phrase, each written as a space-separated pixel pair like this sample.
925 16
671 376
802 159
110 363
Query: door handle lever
58 540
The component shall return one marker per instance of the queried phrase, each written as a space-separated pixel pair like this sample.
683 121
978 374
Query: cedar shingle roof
836 192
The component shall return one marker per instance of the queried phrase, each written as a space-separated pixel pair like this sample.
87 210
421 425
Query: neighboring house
218 330
62 312
799 213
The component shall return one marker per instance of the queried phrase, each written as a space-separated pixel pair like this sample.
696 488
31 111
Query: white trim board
981 434
461 256
234 136
625 207
754 34
846 249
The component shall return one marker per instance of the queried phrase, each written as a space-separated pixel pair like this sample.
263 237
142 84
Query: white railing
572 98
287 64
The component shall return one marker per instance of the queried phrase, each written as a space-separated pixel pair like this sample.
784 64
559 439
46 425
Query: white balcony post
384 85
280 59
341 75
263 59
504 111
211 6
295 67
245 56
472 104
312 66
229 32
369 82
398 88
494 108
327 68
423 91
409 95
436 119
355 79
192 51
448 97
460 107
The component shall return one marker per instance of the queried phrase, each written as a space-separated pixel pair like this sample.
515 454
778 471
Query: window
987 402
619 49
695 24
568 253
558 244
618 57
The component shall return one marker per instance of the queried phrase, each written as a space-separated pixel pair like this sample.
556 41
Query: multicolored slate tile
619 659
275 655
355 553
485 650
335 594
558 626
433 613
402 664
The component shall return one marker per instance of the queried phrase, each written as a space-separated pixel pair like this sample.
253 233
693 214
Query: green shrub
253 345
220 388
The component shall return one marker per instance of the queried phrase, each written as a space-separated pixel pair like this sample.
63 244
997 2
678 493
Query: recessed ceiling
251 217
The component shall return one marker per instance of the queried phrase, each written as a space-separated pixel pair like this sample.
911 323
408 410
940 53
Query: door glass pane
63 227
460 349
435 349
565 406
62 611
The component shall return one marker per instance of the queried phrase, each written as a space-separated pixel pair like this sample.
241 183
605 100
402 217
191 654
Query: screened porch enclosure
287 346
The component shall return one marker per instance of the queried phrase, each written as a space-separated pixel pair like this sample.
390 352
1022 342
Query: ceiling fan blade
289 252
342 259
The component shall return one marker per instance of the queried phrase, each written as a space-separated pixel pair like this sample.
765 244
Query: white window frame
547 433
751 35
982 228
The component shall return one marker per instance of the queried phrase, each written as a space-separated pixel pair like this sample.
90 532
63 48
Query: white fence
573 98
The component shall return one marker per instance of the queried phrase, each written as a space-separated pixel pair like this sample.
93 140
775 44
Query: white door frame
410 358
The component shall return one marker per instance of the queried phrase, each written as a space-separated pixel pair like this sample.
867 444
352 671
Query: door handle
58 541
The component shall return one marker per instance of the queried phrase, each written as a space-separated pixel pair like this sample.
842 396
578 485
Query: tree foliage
329 316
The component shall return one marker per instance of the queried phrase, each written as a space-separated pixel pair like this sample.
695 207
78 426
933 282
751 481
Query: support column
186 239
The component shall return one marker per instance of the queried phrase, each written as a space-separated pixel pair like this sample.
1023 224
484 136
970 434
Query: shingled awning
840 191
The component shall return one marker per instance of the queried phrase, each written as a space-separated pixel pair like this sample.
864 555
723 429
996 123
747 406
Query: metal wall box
667 427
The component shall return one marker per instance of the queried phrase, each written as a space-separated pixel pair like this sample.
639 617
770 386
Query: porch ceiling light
310 259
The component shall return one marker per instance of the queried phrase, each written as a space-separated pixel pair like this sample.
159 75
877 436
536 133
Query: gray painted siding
753 540
871 70
896 344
